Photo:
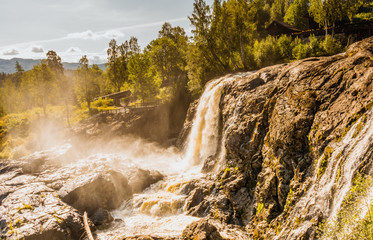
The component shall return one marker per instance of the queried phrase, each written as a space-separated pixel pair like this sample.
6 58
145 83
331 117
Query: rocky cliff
294 137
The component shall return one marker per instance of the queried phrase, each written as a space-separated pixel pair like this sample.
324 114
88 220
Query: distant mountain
8 66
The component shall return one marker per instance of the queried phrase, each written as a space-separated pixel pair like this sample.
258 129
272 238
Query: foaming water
203 140
160 209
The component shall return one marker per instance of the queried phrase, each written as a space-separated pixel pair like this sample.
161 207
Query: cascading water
159 210
327 192
203 141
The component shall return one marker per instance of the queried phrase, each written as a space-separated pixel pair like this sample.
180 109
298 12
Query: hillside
7 66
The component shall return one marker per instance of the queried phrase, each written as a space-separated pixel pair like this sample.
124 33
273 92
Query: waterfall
327 193
203 140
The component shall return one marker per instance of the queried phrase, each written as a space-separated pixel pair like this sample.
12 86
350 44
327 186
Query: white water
203 141
159 210
326 194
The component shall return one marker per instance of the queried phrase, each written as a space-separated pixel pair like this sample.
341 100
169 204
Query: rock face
276 124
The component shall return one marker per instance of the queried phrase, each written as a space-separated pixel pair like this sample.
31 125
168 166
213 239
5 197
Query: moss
360 126
289 200
59 219
25 206
338 175
259 208
348 217
328 151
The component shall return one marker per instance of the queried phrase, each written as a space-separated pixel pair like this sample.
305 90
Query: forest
229 36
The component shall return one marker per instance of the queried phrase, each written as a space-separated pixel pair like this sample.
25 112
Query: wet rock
140 238
90 192
102 218
142 179
276 123
35 212
201 230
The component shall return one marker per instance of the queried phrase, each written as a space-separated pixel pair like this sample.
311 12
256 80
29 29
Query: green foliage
297 14
285 46
143 76
104 103
87 85
266 52
328 151
349 224
331 45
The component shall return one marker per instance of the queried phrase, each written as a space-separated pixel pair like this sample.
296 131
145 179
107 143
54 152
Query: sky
73 28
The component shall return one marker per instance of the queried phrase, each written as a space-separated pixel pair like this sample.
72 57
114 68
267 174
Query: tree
19 67
143 77
201 21
352 6
326 12
118 57
278 9
113 66
167 55
86 82
297 14
64 85
43 82
18 74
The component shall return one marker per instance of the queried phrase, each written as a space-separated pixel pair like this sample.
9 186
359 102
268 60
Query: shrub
301 50
266 52
285 46
314 46
331 45
104 103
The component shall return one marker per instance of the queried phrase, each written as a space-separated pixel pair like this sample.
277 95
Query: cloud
97 59
89 35
10 52
74 50
37 49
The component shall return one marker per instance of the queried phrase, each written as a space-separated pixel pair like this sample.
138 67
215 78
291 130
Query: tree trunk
326 28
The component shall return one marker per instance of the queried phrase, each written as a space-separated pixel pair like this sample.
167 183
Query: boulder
35 212
141 179
101 218
90 192
201 230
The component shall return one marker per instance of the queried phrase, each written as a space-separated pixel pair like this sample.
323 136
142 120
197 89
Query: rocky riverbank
289 141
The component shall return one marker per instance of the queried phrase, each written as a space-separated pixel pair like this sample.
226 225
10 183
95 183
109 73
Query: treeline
228 36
